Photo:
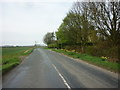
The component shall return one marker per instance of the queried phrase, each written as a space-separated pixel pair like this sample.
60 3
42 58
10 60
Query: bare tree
106 17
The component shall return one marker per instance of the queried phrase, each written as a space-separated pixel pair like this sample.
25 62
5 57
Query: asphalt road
48 69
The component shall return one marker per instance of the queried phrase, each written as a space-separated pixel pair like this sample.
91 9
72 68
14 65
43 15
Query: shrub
100 51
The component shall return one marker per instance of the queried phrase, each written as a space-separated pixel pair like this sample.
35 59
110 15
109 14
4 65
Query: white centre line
61 77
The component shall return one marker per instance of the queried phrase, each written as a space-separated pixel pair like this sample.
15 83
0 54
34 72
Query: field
99 61
12 56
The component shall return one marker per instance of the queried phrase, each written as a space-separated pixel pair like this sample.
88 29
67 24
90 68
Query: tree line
89 27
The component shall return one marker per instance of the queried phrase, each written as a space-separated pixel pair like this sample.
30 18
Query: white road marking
61 77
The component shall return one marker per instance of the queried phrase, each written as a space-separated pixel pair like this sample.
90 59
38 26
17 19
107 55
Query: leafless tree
106 17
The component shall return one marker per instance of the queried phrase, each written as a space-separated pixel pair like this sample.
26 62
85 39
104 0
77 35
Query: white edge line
61 77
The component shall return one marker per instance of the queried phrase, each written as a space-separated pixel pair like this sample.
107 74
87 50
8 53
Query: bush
112 52
52 45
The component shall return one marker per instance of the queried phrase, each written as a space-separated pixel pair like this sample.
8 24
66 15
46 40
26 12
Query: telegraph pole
35 43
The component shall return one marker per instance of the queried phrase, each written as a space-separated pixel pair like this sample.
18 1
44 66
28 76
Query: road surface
48 69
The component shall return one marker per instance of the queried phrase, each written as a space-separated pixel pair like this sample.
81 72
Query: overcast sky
23 23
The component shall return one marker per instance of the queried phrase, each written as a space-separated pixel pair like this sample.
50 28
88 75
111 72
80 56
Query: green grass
115 67
11 57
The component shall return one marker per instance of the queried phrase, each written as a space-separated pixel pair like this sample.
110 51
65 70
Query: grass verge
98 61
11 57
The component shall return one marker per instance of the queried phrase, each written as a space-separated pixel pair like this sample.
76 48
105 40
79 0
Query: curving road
48 69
